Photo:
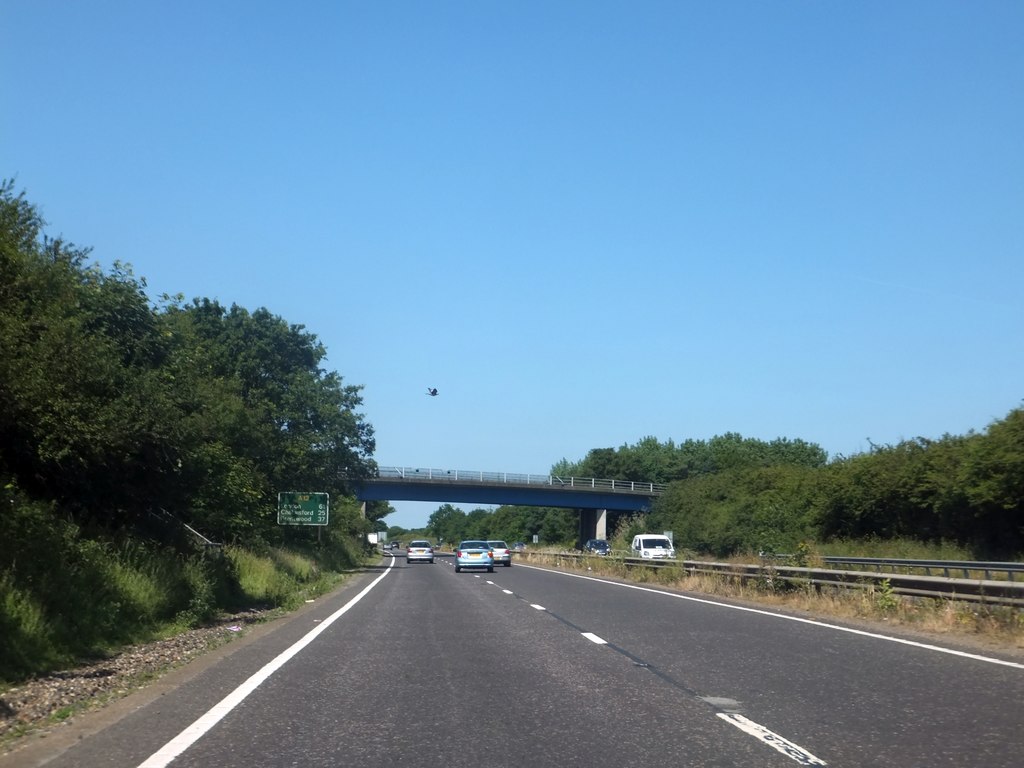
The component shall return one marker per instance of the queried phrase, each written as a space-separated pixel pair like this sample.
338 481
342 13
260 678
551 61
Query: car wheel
457 569
490 569
508 565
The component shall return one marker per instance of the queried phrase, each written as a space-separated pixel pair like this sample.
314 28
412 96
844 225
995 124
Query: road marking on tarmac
163 756
786 617
758 731
773 740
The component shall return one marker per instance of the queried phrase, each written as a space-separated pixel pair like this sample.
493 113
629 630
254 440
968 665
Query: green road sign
295 508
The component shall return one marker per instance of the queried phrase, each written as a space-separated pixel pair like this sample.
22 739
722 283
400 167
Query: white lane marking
508 591
490 582
862 633
773 740
594 638
163 756
538 607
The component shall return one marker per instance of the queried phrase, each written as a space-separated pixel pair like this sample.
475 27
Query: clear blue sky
583 222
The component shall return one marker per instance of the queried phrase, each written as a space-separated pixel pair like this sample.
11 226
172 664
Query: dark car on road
597 547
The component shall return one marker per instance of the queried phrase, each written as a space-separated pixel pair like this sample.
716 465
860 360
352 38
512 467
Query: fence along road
984 590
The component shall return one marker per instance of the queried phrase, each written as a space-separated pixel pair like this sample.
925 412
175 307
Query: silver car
419 550
474 553
502 554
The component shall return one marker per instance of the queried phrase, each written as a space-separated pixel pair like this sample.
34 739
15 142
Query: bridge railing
420 474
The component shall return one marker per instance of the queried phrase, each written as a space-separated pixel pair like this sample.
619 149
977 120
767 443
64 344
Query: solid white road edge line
786 747
163 756
813 622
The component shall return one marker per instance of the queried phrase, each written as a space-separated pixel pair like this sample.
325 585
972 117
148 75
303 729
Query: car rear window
498 544
473 545
654 543
420 544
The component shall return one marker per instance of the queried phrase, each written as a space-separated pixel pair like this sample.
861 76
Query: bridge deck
419 475
449 485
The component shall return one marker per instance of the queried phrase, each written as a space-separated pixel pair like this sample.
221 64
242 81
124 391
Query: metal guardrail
419 474
966 567
939 587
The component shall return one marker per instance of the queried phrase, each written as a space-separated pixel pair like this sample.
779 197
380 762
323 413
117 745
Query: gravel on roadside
46 701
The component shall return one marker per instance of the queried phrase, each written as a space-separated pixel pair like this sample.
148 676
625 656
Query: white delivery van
652 545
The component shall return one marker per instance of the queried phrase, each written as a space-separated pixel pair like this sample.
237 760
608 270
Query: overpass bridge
591 496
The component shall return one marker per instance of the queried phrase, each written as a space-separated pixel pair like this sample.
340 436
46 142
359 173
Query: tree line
509 523
129 415
732 494
134 430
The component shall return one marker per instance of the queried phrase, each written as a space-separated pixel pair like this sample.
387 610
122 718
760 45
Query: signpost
295 508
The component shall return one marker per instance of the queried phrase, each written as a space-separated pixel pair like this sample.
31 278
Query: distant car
394 544
597 547
474 553
501 553
519 546
419 550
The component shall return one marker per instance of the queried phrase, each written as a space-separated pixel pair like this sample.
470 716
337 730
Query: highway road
418 665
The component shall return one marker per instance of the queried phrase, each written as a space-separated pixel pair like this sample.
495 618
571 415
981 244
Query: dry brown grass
989 625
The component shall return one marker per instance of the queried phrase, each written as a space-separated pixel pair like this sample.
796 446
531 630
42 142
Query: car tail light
458 553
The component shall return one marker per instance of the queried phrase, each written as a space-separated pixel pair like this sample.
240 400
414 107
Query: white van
652 545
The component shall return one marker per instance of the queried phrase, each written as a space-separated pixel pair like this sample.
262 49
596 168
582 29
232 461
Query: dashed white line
798 619
594 638
508 591
773 740
538 607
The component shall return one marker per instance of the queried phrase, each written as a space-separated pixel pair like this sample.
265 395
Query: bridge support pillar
593 525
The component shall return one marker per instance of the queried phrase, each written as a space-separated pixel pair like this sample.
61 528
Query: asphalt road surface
415 665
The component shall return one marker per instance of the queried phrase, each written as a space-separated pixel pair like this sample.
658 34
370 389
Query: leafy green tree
478 524
447 523
992 476
750 509
650 460
81 399
262 417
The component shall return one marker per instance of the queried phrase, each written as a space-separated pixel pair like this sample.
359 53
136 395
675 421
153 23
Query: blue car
474 554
